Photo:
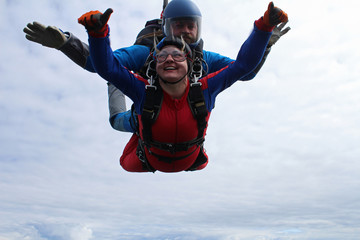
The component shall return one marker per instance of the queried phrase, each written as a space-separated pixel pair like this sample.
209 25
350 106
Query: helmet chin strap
173 83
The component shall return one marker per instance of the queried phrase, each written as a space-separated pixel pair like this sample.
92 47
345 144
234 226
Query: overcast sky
284 148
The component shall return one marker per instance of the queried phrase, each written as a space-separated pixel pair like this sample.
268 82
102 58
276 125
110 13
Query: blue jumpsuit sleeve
248 58
112 70
133 57
215 62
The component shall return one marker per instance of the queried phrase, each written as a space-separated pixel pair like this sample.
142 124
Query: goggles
176 55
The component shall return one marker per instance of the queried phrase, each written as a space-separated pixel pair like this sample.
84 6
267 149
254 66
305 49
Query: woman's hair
178 42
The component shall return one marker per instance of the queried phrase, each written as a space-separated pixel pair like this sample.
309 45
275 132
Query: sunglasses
176 55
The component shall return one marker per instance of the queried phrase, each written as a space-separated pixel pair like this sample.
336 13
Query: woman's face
171 64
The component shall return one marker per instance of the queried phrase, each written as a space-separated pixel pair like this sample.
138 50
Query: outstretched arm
250 54
272 17
131 57
216 61
275 36
104 60
53 37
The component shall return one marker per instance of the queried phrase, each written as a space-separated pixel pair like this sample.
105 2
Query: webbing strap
198 107
151 109
149 103
176 147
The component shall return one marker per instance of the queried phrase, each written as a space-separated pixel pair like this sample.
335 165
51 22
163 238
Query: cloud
53 231
283 148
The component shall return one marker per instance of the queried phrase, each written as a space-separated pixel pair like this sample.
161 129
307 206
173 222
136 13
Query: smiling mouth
169 68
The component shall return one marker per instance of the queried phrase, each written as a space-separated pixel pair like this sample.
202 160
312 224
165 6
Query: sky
284 148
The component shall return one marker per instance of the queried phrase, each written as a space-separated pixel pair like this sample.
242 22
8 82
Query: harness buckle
195 84
197 69
150 113
151 86
170 147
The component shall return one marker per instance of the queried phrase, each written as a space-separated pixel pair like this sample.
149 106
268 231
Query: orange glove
274 15
96 22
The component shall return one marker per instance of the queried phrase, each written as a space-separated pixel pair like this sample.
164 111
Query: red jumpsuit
174 124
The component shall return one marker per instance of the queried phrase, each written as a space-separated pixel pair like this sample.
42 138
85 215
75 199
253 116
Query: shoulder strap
151 109
198 107
196 97
199 67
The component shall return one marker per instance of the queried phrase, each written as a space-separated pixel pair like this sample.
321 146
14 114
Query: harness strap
171 159
140 152
133 120
152 104
200 160
198 107
175 147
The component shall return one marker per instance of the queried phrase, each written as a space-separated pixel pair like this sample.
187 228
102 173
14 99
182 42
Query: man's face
188 29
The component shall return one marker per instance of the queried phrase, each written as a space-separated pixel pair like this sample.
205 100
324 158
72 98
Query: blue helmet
182 10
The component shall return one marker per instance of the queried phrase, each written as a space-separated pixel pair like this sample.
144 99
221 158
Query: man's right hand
49 36
278 33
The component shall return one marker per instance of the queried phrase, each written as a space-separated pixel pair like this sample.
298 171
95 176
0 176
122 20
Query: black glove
49 36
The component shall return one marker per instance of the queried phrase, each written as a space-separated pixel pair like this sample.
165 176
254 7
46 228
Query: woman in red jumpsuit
176 140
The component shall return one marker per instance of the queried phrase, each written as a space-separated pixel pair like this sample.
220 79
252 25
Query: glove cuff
260 24
101 34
